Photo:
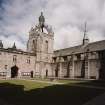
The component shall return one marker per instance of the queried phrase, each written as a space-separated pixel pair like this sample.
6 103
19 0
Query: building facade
83 61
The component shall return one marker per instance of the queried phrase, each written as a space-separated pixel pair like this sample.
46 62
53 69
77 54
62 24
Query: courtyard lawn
22 92
28 85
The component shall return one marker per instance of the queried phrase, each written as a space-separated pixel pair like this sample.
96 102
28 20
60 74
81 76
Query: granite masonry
41 61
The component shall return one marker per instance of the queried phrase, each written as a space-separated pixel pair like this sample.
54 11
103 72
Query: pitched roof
94 46
67 51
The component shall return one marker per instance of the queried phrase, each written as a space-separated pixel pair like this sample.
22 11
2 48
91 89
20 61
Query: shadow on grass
50 95
95 83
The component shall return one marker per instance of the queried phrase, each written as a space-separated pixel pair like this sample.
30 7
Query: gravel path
99 100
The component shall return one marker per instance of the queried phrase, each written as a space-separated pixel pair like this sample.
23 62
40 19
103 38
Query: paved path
2 102
99 100
95 87
50 82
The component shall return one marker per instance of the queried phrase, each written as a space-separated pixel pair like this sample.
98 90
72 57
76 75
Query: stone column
97 73
97 69
88 69
60 69
8 73
73 71
19 74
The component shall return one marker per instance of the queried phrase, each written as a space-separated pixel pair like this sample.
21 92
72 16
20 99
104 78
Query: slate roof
16 51
94 46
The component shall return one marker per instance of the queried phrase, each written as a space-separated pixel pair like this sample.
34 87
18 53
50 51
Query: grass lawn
21 92
28 85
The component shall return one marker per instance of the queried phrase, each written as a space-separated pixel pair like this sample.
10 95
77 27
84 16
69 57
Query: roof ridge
80 45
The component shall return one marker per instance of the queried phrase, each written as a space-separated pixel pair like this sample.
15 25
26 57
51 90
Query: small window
28 60
5 67
93 53
33 44
78 56
14 58
86 63
65 58
54 59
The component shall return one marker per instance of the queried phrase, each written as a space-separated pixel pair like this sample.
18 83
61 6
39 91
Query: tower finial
85 29
1 44
85 38
14 46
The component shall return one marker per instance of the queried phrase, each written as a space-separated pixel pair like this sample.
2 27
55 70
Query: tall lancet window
46 46
14 58
34 44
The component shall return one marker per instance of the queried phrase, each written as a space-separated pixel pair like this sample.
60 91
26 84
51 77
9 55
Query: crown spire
41 21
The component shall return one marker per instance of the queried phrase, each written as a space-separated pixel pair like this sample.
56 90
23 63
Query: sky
67 18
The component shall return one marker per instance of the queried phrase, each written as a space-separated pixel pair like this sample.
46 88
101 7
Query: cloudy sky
67 18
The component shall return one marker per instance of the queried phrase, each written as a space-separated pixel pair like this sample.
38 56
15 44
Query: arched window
33 44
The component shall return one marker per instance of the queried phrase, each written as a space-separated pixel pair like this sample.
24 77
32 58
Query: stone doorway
14 71
31 74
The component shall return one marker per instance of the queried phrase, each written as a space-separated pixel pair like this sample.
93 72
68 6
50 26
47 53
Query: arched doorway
56 72
14 71
31 74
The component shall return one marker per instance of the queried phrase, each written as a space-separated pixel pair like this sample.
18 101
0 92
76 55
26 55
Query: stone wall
25 63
